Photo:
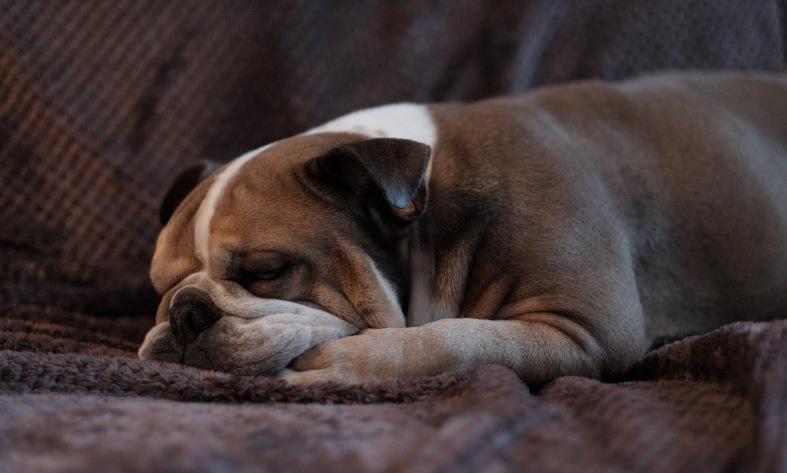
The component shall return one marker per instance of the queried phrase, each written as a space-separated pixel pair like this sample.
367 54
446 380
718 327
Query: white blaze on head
208 206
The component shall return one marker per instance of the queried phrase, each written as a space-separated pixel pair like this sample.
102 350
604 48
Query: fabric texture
73 402
102 103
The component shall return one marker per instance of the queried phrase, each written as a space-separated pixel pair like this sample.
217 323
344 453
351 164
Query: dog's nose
191 313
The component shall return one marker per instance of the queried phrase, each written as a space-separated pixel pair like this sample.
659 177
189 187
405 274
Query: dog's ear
184 183
390 168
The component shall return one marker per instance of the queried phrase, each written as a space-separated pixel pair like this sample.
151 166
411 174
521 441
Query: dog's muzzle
208 327
191 312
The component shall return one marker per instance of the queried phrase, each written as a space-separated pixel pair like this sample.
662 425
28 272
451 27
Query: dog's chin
260 346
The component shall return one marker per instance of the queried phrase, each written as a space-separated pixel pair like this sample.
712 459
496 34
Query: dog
558 232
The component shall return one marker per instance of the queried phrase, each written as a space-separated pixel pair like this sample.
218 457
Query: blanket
78 400
101 103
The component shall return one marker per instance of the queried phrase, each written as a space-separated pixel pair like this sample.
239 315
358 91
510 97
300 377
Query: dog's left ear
396 167
182 185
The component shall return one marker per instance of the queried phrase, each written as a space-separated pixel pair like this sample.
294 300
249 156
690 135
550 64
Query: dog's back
712 246
695 168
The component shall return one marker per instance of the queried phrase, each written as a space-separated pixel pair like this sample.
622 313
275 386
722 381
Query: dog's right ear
392 169
184 183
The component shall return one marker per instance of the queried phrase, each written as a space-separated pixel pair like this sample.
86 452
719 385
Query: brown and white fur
559 232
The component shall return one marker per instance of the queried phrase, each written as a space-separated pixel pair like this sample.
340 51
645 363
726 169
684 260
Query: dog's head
286 247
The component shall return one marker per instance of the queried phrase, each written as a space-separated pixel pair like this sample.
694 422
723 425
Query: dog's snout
191 313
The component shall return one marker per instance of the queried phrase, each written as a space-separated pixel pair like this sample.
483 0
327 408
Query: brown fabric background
101 103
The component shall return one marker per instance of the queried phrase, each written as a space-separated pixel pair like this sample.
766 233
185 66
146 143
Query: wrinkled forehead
265 209
264 204
253 202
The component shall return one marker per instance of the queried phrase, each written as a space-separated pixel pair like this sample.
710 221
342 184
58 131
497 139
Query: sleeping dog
559 232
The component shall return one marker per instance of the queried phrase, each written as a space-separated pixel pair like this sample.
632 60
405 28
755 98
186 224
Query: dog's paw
267 344
247 346
374 355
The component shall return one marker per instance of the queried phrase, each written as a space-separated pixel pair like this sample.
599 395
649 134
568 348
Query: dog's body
558 232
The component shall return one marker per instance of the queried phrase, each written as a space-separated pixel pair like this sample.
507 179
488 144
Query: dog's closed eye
263 266
266 274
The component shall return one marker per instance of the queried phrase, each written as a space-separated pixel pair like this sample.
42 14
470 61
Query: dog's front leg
538 348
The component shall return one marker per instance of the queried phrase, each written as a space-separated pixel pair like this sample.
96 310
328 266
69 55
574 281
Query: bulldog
559 232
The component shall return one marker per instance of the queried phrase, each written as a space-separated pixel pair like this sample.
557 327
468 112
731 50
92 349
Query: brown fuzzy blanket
102 102
78 401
